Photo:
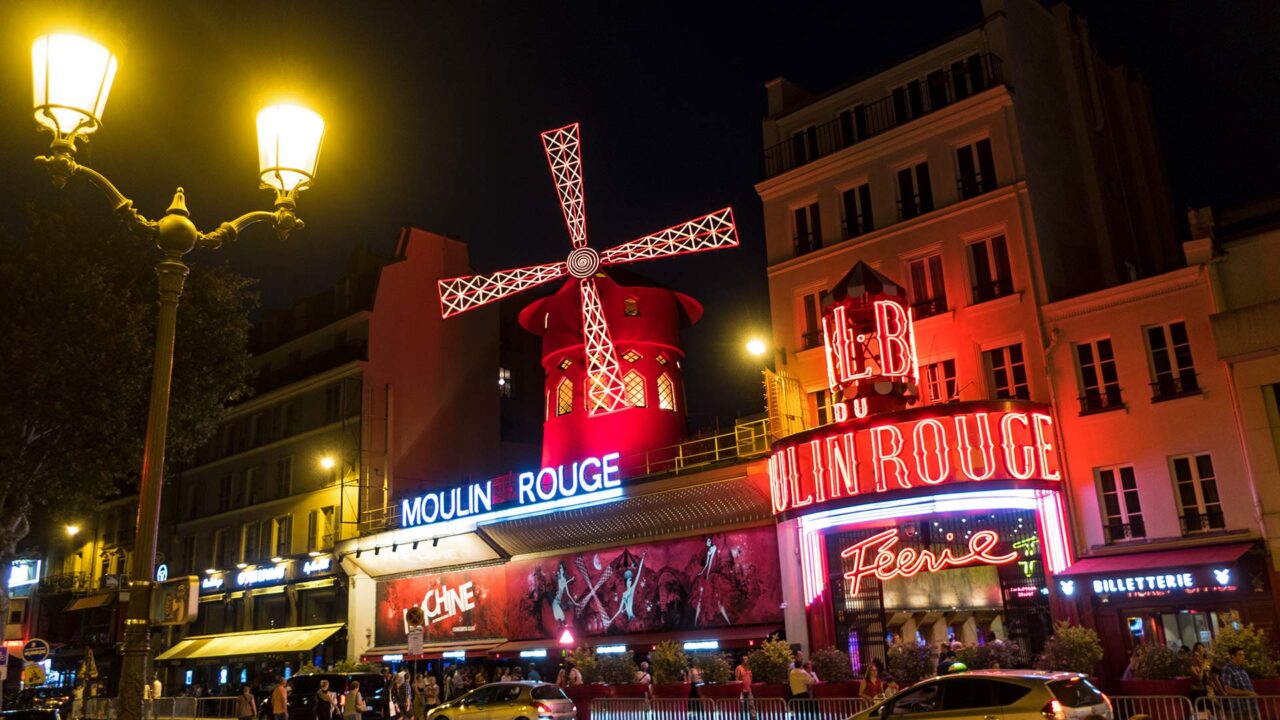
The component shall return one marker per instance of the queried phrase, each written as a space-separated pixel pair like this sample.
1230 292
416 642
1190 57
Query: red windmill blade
605 391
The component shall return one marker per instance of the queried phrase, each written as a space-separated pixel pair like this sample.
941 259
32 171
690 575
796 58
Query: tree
78 330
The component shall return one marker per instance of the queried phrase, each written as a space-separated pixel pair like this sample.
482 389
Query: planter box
766 690
581 695
634 690
671 690
1267 686
845 689
720 690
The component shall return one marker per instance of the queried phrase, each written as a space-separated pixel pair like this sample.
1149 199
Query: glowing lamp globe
756 347
289 140
71 77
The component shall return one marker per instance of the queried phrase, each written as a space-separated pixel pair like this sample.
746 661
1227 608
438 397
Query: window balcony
867 121
1169 387
929 307
972 187
1194 522
1099 401
914 206
859 226
1116 532
805 244
983 292
811 340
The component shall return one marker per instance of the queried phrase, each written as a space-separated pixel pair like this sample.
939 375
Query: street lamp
757 347
72 530
72 78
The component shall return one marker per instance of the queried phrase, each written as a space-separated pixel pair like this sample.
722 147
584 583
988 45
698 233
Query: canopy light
539 653
611 649
289 140
694 645
392 658
71 77
72 530
756 347
454 654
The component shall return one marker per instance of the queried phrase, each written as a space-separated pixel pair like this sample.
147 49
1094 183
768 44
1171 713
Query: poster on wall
455 606
708 581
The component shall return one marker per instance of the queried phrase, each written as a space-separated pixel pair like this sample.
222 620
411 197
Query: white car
996 695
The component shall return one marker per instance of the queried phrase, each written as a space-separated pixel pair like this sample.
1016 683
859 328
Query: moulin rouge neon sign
955 443
876 556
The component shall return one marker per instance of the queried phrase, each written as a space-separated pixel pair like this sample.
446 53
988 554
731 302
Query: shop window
631 307
666 393
1007 372
1197 490
564 397
633 385
940 381
1121 507
928 289
284 476
1099 381
270 611
282 534
990 270
318 607
1173 373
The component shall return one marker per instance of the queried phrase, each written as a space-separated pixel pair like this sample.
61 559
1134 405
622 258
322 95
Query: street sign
32 674
162 572
35 650
415 640
175 602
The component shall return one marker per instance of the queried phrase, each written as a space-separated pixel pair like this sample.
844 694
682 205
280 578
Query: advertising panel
455 606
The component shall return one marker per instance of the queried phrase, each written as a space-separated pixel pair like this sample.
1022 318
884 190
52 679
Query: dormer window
631 307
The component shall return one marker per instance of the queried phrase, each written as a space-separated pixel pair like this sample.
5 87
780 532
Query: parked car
508 701
30 714
303 688
41 698
1003 694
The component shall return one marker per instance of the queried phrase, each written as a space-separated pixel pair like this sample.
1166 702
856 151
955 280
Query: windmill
605 392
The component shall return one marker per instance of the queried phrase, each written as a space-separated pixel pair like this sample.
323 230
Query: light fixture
395 546
289 139
71 78
435 542
566 637
277 559
756 347
210 571
327 462
72 530
377 549
242 565
315 553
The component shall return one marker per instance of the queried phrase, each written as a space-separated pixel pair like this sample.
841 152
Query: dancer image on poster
706 581
627 603
562 590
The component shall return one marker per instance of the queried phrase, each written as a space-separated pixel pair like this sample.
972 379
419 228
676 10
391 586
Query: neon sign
850 358
258 576
876 556
211 583
317 565
961 442
536 491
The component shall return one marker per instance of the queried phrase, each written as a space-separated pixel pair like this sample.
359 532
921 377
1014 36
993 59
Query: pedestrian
742 674
246 705
324 702
534 675
800 681
575 675
1200 672
1237 684
353 703
419 706
808 667
562 676
872 686
431 693
280 700
388 697
642 674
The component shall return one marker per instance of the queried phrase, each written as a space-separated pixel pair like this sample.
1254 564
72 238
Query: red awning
726 636
1159 560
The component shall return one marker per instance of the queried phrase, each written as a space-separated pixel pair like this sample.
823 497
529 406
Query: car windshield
1076 692
548 692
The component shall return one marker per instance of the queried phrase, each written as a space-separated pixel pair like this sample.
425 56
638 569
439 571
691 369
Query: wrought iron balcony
866 121
1198 522
1168 387
861 225
929 307
1097 401
974 186
915 206
806 243
1115 532
812 340
998 288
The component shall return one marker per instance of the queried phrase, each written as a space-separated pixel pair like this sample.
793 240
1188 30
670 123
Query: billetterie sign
872 458
534 490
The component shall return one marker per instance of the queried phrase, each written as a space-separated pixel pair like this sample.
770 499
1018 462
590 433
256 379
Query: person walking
642 674
742 674
246 705
575 675
280 700
323 702
353 703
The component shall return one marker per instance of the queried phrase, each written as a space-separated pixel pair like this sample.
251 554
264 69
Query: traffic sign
32 674
36 650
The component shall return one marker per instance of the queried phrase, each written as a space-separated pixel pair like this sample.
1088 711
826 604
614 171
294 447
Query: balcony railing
1096 401
970 187
66 582
998 288
805 244
929 307
1198 522
867 121
812 339
914 206
1168 387
1114 532
861 225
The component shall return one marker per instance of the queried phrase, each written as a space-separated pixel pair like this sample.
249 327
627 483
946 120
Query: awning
432 651
260 642
1159 560
90 602
729 635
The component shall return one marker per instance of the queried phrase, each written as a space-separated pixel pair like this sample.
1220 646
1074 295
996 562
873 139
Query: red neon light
604 385
854 356
985 446
882 455
893 329
937 471
886 564
1012 450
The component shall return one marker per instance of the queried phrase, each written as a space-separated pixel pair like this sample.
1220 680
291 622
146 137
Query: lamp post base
136 653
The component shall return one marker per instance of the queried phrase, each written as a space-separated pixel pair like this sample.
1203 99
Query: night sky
434 111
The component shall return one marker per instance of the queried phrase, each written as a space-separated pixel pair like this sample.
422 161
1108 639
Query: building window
332 403
218 549
1121 508
804 145
928 290
257 430
1008 372
252 480
249 542
811 332
282 535
504 382
631 307
666 393
564 397
807 229
915 193
284 476
857 211
989 262
192 501
320 529
565 363
1197 487
230 438
631 356
940 381
822 402
237 490
288 419
1099 383
661 359
908 101
189 554
1172 370
975 169
633 385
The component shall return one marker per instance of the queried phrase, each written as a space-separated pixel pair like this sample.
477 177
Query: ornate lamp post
72 78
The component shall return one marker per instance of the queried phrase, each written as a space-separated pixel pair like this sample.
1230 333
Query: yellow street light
757 347
289 139
72 530
327 462
72 78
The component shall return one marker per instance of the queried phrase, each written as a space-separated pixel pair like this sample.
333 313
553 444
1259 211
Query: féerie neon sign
928 447
876 556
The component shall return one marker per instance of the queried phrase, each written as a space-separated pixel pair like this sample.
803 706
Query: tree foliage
1071 648
78 331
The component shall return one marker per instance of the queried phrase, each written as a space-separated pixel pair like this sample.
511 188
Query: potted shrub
1071 648
1158 670
581 695
1259 656
667 662
835 674
618 671
909 663
769 665
717 676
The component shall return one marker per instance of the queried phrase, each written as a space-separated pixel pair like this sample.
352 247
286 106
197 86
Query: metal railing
929 307
1169 387
974 185
1096 401
170 708
1119 532
680 709
1155 707
915 206
866 121
1198 522
806 243
998 288
725 708
74 582
1258 707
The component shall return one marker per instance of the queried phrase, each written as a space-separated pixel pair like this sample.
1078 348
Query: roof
1159 560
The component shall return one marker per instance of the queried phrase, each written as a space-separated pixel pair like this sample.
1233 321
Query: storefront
1171 597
